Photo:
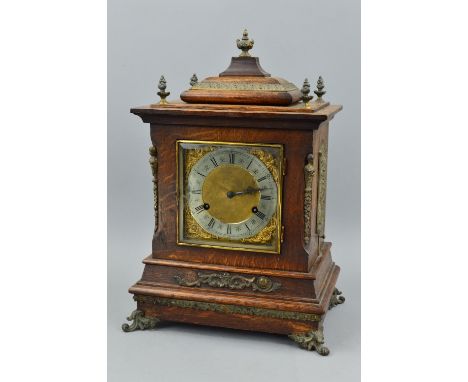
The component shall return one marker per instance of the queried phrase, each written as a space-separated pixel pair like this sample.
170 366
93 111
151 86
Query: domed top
243 82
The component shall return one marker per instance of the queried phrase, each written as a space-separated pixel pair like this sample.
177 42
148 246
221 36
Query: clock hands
249 190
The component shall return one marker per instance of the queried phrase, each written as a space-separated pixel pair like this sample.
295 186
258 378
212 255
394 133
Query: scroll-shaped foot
139 322
336 299
312 340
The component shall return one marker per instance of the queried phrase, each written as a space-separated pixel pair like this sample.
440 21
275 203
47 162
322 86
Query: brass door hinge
282 234
284 166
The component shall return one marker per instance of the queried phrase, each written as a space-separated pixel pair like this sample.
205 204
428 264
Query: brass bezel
277 249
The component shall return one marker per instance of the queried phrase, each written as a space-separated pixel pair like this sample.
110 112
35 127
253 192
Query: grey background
294 40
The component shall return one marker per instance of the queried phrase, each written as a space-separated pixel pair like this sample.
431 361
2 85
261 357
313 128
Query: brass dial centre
226 179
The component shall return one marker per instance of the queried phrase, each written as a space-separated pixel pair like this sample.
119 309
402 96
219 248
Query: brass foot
336 299
139 322
312 340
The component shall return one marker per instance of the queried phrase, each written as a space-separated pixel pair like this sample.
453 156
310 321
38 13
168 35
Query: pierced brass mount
227 280
309 172
154 169
228 308
322 189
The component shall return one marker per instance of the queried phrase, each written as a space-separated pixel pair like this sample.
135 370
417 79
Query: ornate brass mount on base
162 91
305 94
227 280
312 340
140 322
336 299
228 308
245 44
320 92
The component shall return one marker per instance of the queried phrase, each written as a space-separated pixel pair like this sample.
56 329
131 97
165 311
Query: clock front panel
229 195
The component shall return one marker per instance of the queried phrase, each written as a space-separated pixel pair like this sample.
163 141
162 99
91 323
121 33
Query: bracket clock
240 175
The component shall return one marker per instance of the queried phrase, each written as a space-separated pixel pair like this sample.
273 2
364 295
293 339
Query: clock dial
231 193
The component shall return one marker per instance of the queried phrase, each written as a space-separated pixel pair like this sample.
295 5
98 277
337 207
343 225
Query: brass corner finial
320 92
193 80
245 44
305 94
162 91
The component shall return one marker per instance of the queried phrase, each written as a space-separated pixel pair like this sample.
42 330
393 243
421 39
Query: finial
162 91
305 93
245 44
193 80
320 92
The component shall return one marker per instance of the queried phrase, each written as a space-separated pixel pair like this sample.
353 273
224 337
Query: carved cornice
228 280
227 308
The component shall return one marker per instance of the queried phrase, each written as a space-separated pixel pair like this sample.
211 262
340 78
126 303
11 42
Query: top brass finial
320 92
245 44
305 94
194 80
162 90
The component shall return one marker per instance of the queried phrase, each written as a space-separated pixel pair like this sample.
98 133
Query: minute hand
249 190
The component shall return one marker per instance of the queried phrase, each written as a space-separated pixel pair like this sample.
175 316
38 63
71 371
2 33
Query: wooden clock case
210 286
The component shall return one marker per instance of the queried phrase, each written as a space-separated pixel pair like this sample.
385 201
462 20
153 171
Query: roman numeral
200 208
196 191
213 160
260 214
249 164
266 197
231 158
199 173
247 226
228 229
263 178
211 223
